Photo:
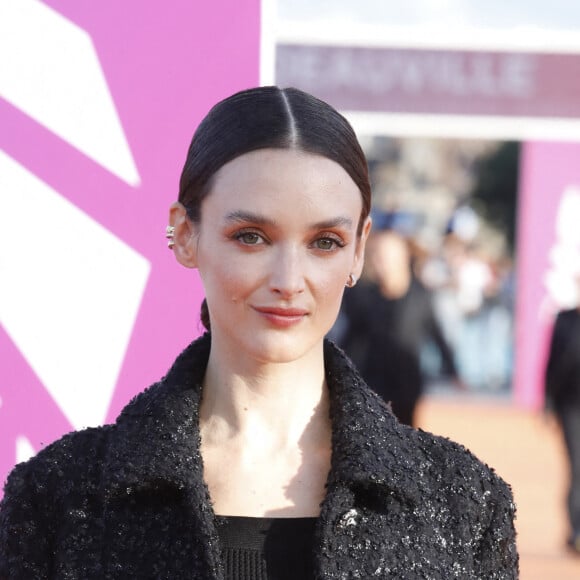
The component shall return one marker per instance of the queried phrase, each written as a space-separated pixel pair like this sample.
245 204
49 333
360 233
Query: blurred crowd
473 297
420 317
460 197
438 287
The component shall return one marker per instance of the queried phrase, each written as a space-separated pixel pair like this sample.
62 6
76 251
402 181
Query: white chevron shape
50 70
69 293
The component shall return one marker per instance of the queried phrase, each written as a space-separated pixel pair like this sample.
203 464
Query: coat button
348 519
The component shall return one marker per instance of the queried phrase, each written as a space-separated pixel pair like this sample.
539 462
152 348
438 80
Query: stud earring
169 234
351 281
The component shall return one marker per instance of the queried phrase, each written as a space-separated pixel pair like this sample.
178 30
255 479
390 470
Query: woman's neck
249 399
265 435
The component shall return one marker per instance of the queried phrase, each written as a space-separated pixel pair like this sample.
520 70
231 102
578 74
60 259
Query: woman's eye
326 244
249 238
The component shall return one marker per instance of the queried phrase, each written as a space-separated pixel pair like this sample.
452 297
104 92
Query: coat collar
156 441
371 450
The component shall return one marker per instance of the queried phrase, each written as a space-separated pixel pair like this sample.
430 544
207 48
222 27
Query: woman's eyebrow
339 221
247 216
239 216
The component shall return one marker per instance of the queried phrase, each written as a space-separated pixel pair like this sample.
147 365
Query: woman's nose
287 275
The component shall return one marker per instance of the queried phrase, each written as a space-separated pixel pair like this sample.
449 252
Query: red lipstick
282 317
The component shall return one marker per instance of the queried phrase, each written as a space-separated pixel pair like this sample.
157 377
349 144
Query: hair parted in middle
269 117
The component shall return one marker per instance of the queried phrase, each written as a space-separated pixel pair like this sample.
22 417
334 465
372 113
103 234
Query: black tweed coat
128 500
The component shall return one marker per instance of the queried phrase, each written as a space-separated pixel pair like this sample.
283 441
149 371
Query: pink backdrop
548 255
162 65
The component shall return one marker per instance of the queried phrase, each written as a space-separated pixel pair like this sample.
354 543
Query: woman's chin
282 349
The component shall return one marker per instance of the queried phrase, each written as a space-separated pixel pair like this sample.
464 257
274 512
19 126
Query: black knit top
266 548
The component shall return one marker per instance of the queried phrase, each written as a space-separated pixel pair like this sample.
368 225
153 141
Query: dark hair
263 118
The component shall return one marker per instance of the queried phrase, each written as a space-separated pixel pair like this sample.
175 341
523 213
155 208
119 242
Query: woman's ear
184 236
359 256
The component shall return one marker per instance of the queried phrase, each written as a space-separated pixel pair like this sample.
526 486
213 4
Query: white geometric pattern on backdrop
564 256
67 274
50 70
24 449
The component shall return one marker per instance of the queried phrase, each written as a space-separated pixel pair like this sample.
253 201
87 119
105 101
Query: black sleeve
557 347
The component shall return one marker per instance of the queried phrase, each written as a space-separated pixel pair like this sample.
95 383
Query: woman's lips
282 317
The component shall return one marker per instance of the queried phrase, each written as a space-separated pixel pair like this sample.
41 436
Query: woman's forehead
277 175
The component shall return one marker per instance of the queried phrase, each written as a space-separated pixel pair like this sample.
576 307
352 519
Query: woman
261 454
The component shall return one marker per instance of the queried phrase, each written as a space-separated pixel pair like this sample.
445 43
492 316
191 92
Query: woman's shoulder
452 461
69 457
445 472
79 453
79 456
434 465
371 442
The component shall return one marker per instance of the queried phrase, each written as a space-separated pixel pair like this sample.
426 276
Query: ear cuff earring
351 281
169 234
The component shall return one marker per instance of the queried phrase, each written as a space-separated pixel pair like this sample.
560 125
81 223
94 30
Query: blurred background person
562 382
473 282
473 295
387 318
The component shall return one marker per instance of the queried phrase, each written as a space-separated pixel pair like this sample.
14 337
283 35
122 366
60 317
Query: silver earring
169 234
351 281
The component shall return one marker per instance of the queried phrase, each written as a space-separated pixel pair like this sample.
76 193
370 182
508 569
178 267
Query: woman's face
275 246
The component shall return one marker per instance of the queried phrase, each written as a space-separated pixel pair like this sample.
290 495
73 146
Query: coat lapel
370 449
